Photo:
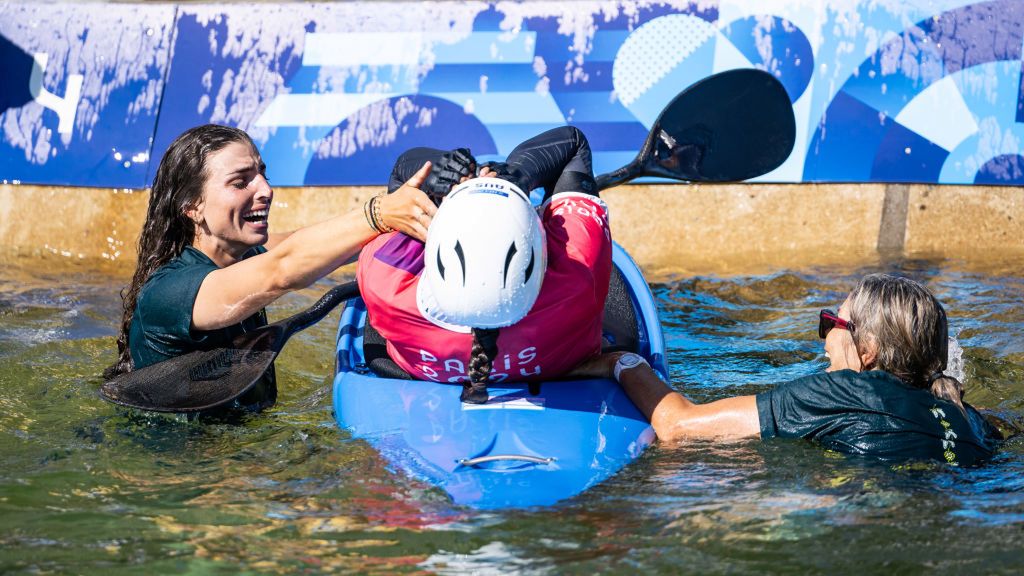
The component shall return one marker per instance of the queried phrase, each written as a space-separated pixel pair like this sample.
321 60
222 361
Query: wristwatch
627 361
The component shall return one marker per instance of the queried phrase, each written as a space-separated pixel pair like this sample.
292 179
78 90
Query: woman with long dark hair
885 393
207 263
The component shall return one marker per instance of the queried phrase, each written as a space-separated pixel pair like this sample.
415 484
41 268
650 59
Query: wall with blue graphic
923 91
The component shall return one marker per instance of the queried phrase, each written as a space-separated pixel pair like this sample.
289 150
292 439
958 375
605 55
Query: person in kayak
884 393
207 263
498 292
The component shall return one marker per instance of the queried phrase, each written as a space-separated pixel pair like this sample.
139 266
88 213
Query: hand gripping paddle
728 127
210 378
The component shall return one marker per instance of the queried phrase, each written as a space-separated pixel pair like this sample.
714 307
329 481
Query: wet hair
481 359
177 187
908 326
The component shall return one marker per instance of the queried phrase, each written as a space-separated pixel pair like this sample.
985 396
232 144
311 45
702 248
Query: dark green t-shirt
875 414
161 327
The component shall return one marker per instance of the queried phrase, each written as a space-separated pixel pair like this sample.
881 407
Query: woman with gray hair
884 393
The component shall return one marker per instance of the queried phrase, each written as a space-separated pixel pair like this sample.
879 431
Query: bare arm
276 238
673 416
235 292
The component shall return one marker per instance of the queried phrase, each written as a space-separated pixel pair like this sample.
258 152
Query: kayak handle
499 457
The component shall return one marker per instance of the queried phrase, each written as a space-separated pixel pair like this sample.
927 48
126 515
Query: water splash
955 360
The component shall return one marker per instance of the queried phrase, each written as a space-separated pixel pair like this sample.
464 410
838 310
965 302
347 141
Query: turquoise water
89 488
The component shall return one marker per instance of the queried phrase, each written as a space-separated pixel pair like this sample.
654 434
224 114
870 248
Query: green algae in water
90 488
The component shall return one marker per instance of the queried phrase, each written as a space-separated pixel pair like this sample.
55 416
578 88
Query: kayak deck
522 448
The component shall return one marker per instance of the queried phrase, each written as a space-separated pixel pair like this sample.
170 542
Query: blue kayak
528 445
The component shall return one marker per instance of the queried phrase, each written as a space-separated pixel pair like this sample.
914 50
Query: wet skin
235 189
841 351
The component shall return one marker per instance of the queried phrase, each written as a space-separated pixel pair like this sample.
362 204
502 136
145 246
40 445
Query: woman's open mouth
257 216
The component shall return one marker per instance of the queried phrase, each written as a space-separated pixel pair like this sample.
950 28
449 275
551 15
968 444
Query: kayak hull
521 448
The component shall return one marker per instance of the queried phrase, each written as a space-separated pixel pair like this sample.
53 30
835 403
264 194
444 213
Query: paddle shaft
317 311
620 176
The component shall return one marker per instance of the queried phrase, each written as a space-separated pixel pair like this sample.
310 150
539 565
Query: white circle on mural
653 50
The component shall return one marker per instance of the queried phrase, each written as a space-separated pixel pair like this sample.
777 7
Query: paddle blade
207 379
198 380
728 127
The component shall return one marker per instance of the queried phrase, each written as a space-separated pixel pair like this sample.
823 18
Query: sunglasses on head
827 320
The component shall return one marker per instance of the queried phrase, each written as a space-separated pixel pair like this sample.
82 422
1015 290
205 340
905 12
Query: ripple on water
87 487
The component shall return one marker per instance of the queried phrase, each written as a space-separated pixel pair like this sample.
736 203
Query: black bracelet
368 214
373 215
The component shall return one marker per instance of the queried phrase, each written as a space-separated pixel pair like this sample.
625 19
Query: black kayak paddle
207 379
728 127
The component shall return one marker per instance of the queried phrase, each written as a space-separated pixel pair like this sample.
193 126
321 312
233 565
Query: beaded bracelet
377 219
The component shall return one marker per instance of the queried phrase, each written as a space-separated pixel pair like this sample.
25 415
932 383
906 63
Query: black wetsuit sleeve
558 160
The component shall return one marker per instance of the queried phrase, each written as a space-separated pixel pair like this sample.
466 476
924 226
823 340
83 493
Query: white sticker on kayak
513 402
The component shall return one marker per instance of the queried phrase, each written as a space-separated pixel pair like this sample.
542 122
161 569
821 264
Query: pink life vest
562 329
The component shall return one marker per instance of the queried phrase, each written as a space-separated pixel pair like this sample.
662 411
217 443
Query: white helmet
485 257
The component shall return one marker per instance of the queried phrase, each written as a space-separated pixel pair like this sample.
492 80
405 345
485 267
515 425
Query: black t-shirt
875 413
161 327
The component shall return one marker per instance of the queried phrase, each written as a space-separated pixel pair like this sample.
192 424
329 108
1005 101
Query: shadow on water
87 487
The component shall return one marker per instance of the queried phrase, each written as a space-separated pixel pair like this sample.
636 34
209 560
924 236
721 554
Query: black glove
448 167
510 173
446 173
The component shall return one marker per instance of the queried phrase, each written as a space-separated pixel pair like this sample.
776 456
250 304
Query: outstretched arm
673 416
238 290
446 168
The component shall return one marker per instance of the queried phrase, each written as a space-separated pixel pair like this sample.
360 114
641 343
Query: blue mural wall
925 91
